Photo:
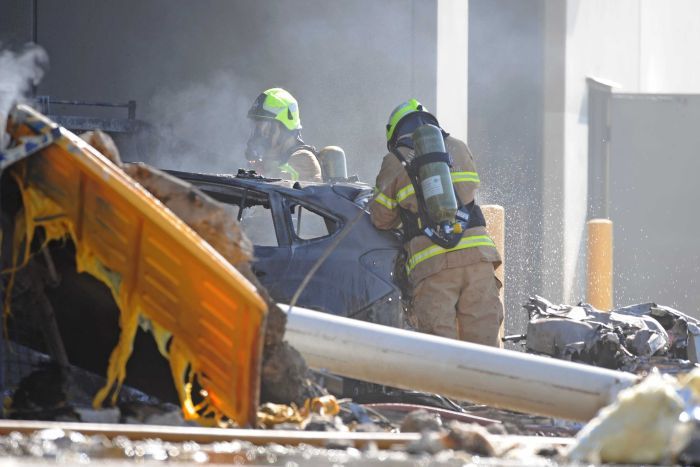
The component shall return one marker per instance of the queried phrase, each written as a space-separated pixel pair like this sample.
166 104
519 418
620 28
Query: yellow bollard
599 273
495 227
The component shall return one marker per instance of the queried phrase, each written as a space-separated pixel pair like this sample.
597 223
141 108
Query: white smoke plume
19 71
205 122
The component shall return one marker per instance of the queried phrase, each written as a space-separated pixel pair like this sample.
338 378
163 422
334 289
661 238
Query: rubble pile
52 393
635 338
55 393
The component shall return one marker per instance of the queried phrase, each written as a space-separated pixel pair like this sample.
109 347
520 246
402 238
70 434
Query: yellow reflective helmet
277 104
403 110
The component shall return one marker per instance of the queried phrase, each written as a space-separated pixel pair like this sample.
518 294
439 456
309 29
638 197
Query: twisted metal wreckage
633 338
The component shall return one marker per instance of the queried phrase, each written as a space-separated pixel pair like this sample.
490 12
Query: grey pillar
599 97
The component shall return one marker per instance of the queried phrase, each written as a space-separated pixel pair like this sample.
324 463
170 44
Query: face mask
259 142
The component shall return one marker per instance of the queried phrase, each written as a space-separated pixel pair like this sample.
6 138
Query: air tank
333 164
434 177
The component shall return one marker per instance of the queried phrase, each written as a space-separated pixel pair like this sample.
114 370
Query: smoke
323 56
347 63
19 71
203 120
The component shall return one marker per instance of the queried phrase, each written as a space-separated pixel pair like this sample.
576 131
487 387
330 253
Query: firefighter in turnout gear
275 147
450 263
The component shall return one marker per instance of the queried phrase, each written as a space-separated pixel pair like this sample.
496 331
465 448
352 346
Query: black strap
429 229
429 158
470 215
410 222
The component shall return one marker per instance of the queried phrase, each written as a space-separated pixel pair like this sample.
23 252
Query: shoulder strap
426 227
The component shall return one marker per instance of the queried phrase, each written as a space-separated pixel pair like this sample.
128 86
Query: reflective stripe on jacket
406 191
394 190
434 250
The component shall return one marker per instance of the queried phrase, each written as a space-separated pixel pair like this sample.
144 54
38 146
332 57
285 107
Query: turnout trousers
460 303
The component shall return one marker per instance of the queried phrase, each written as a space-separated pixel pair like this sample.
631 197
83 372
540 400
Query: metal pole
465 371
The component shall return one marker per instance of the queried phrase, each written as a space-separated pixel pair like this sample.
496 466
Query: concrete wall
642 45
505 133
669 43
452 65
15 23
197 66
654 165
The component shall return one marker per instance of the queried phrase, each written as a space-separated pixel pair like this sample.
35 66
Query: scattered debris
634 338
315 412
517 423
52 392
420 421
472 438
454 446
652 422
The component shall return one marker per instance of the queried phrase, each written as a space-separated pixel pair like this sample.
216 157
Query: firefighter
275 146
455 292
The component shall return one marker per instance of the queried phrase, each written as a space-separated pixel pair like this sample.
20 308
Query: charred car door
266 227
355 279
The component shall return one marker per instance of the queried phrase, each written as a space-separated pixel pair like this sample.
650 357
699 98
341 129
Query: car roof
347 190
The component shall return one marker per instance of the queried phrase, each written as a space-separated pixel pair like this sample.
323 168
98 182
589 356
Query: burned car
293 224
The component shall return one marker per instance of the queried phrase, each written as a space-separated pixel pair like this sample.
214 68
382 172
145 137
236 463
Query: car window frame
289 201
241 193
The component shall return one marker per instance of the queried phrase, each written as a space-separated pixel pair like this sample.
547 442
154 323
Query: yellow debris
324 405
270 414
156 267
639 428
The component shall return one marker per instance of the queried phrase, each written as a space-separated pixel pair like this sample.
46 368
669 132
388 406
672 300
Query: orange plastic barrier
156 267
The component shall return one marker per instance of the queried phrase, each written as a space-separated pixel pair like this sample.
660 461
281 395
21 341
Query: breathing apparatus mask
269 144
261 140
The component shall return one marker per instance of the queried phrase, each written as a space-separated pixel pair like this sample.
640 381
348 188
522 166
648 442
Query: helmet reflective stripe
434 250
277 104
401 111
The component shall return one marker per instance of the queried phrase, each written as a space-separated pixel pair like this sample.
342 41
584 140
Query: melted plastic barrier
156 268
